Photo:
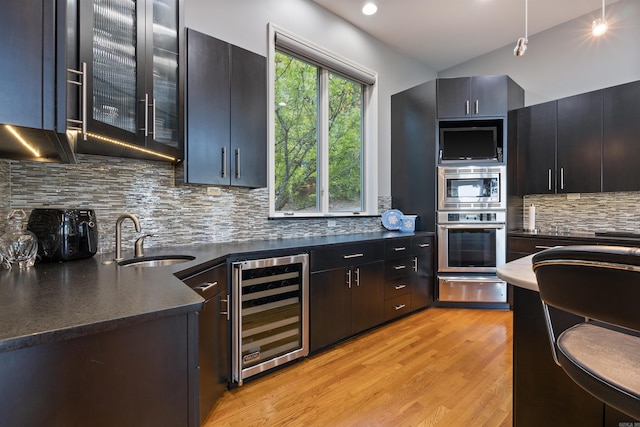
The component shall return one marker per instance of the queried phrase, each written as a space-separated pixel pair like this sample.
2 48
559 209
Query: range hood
23 143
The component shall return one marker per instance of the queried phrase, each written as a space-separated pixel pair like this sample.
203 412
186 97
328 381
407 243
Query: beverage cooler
270 314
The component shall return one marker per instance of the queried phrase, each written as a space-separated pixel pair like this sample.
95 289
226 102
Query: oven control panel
471 217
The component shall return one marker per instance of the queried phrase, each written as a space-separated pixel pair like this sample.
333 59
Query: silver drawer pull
424 245
353 256
398 287
225 313
399 306
399 267
543 247
400 249
203 287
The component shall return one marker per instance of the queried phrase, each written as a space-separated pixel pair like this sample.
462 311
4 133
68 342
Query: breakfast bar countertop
519 273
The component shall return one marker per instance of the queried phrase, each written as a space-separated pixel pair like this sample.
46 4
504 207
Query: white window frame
369 188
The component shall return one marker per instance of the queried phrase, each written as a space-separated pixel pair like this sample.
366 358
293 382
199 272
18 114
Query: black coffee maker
64 234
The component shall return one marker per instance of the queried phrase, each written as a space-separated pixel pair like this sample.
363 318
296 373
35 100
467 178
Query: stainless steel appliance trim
239 373
471 289
443 246
236 328
471 172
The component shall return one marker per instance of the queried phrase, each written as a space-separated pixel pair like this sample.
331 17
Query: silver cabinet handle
153 118
542 247
203 287
226 312
549 179
353 256
224 162
358 276
399 267
349 278
415 263
237 163
562 178
476 106
466 107
399 306
424 245
400 249
82 121
398 287
146 114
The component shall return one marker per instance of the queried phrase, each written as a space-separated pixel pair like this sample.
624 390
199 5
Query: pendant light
521 45
599 26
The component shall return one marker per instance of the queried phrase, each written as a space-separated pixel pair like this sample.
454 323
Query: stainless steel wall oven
470 247
270 314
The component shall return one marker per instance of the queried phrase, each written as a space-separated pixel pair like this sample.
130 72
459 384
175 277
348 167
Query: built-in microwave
470 141
471 187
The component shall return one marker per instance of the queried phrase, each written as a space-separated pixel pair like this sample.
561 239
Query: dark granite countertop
584 236
58 301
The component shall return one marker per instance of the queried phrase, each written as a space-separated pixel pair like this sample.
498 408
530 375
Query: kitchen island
542 393
90 342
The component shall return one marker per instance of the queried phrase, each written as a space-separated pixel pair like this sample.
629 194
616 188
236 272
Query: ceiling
444 33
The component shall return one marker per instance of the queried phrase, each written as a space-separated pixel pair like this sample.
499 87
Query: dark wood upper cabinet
208 114
226 109
26 76
248 118
478 96
133 56
621 131
579 145
536 140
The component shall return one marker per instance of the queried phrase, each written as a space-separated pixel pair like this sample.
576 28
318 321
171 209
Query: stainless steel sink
156 261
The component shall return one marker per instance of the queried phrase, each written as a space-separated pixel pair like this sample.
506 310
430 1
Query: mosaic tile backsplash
174 214
590 213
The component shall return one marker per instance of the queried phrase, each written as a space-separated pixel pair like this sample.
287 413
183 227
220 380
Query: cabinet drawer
399 267
530 245
421 245
339 256
396 248
397 306
395 288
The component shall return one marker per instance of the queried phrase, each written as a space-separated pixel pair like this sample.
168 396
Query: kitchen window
323 121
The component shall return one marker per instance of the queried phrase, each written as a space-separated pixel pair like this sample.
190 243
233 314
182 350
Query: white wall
566 60
244 23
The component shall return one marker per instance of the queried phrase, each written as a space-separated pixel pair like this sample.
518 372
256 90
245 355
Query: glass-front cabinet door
131 52
165 42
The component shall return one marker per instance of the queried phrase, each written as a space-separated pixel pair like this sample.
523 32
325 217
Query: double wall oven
471 233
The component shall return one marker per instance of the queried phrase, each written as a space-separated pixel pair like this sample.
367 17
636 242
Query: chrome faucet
121 218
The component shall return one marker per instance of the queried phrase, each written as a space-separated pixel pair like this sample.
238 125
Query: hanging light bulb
599 26
521 47
521 44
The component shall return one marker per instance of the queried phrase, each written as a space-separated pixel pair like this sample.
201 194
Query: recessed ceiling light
369 9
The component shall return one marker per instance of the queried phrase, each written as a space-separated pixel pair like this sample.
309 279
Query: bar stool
602 284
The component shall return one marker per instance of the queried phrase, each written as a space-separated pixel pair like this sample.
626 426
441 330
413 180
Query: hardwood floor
438 367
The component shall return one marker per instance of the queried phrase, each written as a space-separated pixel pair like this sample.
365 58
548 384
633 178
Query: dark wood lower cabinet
137 375
345 302
543 395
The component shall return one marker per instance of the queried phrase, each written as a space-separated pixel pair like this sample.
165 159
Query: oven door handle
472 226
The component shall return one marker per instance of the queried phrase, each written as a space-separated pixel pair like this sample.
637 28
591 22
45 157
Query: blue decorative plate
392 219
